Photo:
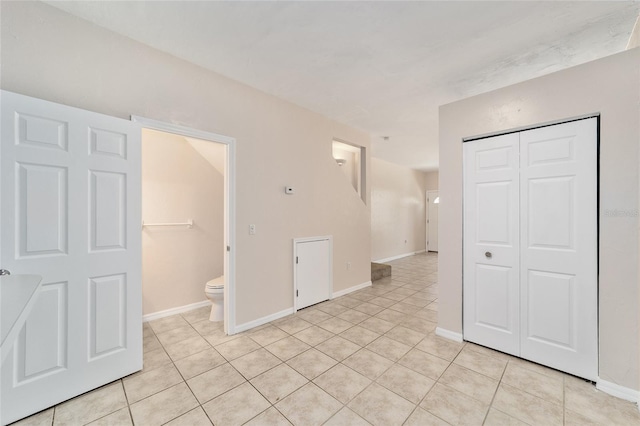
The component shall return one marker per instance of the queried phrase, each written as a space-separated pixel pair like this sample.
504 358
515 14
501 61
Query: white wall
179 184
431 181
49 54
398 218
610 87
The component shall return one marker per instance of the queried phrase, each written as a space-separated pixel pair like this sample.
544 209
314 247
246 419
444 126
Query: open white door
70 212
433 201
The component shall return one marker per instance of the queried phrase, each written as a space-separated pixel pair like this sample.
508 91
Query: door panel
558 196
41 347
313 272
491 274
70 212
493 310
551 309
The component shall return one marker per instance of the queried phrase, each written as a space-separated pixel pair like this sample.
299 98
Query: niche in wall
350 159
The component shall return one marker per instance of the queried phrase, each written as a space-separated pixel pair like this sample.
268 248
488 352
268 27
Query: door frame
229 211
295 268
429 191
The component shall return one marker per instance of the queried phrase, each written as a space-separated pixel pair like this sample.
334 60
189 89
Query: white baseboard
351 289
447 334
400 256
173 311
618 391
260 321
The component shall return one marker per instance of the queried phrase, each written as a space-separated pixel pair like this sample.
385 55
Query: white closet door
491 243
71 213
558 204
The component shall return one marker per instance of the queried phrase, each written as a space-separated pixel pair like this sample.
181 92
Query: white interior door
530 245
313 271
558 205
491 243
432 221
70 212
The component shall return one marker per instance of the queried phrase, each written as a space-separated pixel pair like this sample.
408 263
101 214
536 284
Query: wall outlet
252 230
348 266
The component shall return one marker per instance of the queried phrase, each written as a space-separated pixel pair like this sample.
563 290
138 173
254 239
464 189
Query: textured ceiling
384 66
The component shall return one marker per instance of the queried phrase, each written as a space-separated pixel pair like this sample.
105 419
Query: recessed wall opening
350 159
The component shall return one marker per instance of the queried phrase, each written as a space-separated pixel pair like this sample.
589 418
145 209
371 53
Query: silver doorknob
5 272
488 254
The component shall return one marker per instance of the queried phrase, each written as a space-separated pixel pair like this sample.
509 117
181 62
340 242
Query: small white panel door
313 272
558 204
70 212
432 221
491 243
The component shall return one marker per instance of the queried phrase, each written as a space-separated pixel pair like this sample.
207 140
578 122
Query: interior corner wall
398 220
179 184
431 181
609 87
49 54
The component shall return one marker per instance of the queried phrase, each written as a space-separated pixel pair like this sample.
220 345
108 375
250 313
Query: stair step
379 271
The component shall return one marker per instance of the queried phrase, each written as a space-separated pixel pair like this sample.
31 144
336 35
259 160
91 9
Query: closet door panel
558 246
491 243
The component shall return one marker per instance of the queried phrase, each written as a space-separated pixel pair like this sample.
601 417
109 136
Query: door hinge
228 248
296 260
296 293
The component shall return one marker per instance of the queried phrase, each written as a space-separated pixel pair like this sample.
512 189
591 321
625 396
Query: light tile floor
370 357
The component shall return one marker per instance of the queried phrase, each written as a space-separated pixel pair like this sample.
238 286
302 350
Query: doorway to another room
433 200
187 219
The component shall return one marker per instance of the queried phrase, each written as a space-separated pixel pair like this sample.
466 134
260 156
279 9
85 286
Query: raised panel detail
41 132
107 212
42 209
551 212
105 142
107 314
551 308
494 159
41 347
551 151
492 297
492 214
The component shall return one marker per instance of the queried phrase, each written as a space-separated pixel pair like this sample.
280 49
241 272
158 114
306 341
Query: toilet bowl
215 292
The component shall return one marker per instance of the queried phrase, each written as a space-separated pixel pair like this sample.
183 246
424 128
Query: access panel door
313 272
491 243
70 212
558 235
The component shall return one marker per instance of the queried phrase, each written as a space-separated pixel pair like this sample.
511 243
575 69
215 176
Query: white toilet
215 292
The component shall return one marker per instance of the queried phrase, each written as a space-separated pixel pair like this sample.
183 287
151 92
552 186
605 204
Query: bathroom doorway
187 219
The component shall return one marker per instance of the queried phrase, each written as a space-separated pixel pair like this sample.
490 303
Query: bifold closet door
530 245
558 236
491 243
